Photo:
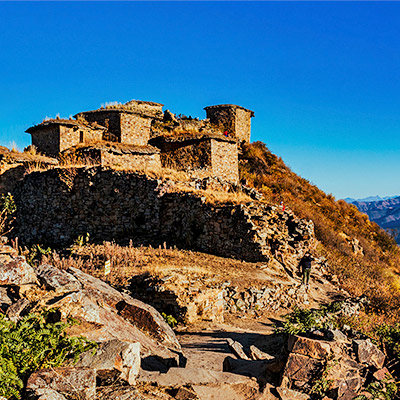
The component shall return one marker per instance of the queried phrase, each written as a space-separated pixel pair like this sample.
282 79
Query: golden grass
374 274
128 261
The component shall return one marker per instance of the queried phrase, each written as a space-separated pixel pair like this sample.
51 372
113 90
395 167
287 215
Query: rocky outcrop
130 333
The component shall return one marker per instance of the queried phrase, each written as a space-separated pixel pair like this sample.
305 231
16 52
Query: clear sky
322 77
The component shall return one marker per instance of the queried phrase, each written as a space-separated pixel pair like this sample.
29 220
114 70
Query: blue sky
322 77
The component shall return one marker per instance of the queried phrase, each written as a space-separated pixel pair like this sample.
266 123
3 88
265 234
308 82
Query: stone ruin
138 135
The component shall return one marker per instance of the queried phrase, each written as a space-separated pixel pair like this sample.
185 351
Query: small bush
170 320
33 343
303 320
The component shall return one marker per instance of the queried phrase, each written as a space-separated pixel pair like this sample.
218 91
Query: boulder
237 349
79 382
369 354
346 378
257 354
106 314
16 272
113 355
300 369
309 347
56 279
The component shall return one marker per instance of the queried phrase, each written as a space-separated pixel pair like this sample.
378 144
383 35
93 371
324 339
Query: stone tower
234 119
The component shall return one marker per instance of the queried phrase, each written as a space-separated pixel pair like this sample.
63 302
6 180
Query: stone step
192 376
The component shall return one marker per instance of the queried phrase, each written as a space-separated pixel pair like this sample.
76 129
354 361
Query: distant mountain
368 199
385 212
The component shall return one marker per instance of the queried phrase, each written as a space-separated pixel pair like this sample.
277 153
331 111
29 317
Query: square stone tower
232 118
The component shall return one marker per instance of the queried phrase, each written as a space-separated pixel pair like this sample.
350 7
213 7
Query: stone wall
113 205
223 119
135 129
146 108
224 160
188 155
242 125
47 140
108 119
236 120
133 162
71 136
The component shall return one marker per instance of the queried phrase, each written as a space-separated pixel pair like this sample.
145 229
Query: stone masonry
186 143
232 118
121 206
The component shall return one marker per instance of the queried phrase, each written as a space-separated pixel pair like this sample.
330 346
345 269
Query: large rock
309 347
301 369
346 378
16 271
368 353
79 382
106 314
46 394
56 279
114 355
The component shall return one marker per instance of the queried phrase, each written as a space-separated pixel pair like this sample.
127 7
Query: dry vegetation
127 261
376 273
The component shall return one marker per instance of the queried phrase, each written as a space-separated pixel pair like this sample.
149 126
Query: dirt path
204 344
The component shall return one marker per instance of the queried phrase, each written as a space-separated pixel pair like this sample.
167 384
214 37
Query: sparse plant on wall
7 209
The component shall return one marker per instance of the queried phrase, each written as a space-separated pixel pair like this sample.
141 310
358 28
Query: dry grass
374 274
128 261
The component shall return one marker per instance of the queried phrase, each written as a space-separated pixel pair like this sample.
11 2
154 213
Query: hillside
385 212
365 258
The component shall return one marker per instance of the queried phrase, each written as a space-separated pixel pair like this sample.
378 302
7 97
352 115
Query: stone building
119 156
128 123
184 143
234 119
214 154
53 136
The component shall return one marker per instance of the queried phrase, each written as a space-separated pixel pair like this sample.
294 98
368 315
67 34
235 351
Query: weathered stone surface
106 314
301 368
46 394
346 378
368 353
77 381
114 355
309 347
18 309
8 250
337 335
382 374
137 313
257 354
237 349
289 394
17 272
58 280
192 376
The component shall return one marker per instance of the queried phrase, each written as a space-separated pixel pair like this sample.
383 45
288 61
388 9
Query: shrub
33 343
303 320
169 319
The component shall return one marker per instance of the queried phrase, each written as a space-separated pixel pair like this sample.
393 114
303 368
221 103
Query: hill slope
365 258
